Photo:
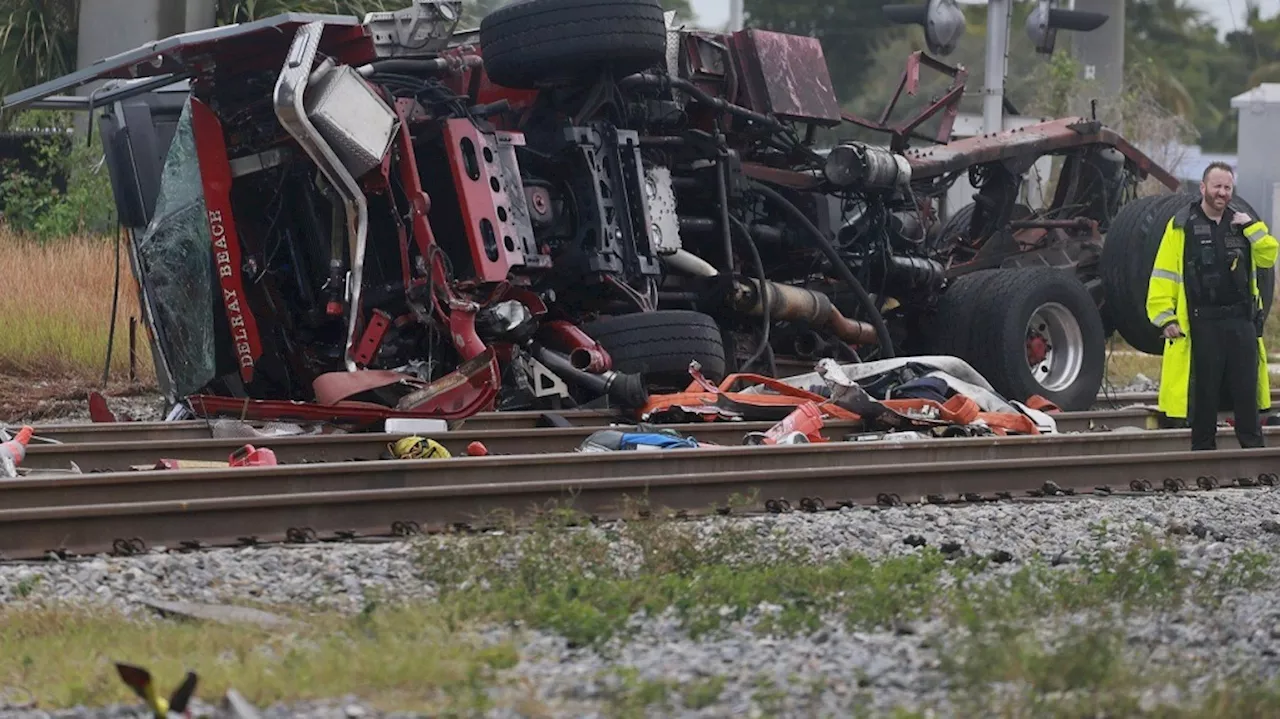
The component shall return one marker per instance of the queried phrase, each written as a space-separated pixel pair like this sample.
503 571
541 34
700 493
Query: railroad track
134 511
493 421
487 426
1112 399
123 455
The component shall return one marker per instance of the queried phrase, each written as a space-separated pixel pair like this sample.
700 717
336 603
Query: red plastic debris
14 451
806 421
250 456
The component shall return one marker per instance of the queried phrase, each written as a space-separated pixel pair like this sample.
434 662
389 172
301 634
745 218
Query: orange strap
960 409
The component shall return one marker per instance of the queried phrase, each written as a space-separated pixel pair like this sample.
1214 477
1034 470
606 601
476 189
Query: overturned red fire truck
333 217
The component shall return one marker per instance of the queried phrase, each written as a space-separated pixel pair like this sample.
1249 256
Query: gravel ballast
338 576
739 672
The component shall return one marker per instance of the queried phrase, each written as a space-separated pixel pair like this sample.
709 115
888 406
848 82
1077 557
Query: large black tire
957 223
1135 252
1125 291
1002 326
660 345
534 42
949 328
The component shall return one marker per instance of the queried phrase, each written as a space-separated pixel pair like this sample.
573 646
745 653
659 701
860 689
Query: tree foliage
37 42
1189 69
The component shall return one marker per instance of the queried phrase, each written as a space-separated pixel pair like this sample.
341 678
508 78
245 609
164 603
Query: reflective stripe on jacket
1167 300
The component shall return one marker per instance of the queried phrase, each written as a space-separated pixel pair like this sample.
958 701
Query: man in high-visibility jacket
1203 294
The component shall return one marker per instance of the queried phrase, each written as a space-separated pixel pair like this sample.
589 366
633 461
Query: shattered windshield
176 266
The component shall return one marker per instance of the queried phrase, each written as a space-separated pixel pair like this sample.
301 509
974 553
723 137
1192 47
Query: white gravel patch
341 576
836 670
333 576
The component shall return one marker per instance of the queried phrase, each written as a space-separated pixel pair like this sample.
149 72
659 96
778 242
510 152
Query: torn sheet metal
958 374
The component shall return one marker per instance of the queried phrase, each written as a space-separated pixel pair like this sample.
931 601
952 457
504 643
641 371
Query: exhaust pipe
786 302
585 354
690 264
797 304
626 389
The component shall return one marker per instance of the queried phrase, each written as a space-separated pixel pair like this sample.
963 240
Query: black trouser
1224 355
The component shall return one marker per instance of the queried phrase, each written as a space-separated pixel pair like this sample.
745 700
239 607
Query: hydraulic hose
824 244
663 82
766 319
722 195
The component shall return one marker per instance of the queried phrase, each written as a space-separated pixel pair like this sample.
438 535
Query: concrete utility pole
735 15
110 27
1101 52
998 14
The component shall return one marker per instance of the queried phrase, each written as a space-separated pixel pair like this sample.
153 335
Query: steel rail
518 421
326 477
307 515
1113 398
123 456
75 432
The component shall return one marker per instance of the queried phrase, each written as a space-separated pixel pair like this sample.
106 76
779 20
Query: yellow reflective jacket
1167 300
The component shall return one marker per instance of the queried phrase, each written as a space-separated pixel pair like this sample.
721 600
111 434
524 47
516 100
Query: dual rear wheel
1028 331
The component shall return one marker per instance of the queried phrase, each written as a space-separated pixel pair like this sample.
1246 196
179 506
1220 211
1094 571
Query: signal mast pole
735 15
998 14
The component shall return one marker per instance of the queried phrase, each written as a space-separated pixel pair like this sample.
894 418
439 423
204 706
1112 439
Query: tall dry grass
55 309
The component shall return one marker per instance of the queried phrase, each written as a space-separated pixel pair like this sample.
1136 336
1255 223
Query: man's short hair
1217 165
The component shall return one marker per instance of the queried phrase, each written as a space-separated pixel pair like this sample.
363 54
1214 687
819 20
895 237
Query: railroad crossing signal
944 24
942 20
1046 20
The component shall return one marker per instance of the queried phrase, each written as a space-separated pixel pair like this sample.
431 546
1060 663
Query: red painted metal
468 390
787 75
1031 141
483 200
371 340
786 178
419 205
456 312
215 173
584 352
1037 349
99 412
948 104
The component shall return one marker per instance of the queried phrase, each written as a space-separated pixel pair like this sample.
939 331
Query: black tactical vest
1217 263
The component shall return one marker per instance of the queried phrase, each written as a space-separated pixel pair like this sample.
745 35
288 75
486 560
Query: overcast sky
714 13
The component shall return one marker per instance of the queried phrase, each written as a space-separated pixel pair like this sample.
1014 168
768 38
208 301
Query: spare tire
660 345
529 43
1037 331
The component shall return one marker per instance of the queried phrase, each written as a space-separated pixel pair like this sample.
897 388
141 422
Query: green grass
394 656
571 582
587 584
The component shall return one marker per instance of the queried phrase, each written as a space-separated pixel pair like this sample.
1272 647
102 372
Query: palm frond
37 42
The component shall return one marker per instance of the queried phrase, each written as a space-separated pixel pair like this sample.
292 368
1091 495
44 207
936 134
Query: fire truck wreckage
343 219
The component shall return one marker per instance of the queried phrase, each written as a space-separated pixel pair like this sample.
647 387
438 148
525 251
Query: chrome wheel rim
1054 347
